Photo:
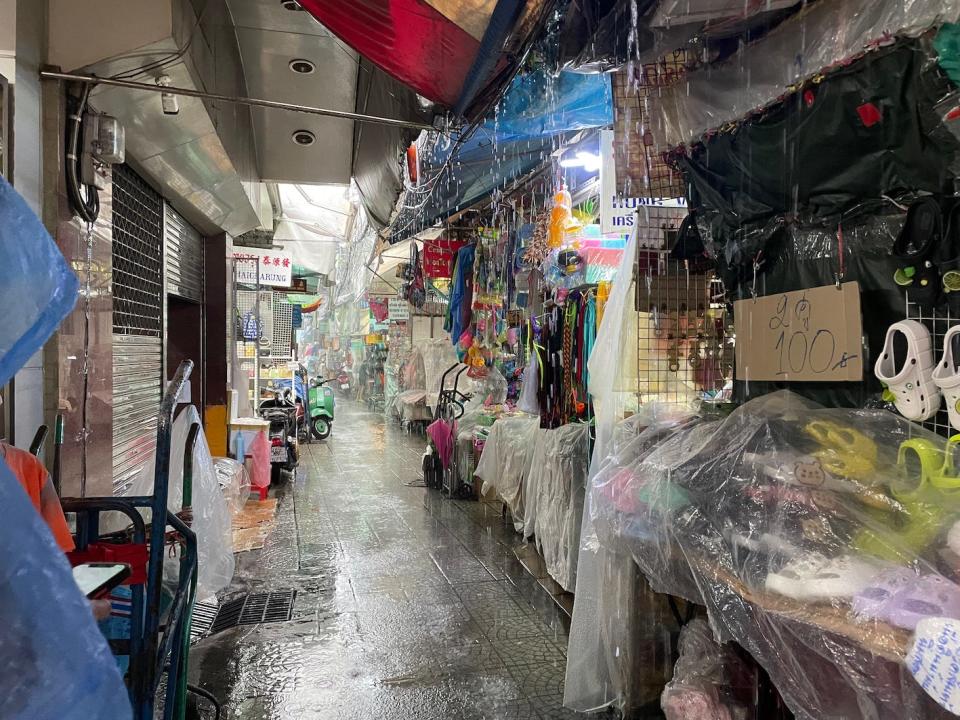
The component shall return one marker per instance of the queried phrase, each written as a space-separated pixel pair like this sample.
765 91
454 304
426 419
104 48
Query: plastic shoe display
921 233
947 374
815 577
909 376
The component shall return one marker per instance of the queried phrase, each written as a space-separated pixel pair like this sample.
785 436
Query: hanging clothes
461 293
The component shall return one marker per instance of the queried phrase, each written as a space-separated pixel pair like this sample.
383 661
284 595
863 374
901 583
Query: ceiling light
304 137
304 67
291 5
588 161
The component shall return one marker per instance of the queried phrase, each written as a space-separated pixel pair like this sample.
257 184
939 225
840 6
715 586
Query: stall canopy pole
258 102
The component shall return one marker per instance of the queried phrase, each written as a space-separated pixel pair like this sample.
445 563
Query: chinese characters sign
813 334
276 267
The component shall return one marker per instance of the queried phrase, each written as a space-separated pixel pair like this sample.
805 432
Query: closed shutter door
137 323
184 257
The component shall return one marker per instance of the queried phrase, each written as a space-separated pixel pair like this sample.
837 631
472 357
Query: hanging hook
839 276
756 266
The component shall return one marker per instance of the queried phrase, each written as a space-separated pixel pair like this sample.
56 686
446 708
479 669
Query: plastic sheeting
212 521
518 138
608 640
353 275
816 538
54 661
822 36
867 130
37 282
710 680
506 462
554 498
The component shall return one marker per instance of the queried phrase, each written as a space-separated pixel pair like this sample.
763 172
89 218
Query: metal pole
257 102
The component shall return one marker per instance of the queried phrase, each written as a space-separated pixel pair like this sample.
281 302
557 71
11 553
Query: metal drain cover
253 609
204 615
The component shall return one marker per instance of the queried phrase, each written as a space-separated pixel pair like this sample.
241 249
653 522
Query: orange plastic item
562 220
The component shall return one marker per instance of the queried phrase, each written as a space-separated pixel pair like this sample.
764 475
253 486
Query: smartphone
96 579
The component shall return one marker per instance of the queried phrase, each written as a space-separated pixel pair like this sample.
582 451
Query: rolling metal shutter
184 257
137 323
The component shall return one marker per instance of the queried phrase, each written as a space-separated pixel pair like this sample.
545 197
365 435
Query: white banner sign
617 212
276 267
399 309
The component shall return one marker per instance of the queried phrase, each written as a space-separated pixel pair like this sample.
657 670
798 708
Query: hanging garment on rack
461 293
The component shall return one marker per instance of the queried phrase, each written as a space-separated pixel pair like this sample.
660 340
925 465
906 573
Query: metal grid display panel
277 316
137 255
683 332
938 323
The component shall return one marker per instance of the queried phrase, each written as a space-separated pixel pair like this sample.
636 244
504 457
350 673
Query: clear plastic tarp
555 490
817 538
820 36
212 521
506 459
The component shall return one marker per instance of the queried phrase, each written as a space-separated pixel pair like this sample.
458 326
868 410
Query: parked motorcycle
320 408
281 413
343 383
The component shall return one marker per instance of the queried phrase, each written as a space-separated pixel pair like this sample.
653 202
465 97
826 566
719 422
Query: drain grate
204 615
254 609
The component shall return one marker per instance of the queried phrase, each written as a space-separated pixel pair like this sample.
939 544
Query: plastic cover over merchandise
821 36
554 498
816 538
506 461
710 680
211 515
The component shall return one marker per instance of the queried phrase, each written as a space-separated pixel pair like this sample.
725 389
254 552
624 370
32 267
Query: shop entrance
185 342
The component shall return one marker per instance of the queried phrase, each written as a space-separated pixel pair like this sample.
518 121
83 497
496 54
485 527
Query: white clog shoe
910 378
947 375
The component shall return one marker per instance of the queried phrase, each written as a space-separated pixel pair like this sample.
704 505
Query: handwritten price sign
812 334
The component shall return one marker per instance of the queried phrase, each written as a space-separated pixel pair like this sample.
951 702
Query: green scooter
320 406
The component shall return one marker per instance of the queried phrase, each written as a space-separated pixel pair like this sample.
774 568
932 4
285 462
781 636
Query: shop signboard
438 256
276 267
399 309
802 336
617 212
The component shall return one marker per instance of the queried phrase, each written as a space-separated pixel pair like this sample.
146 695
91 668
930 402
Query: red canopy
429 45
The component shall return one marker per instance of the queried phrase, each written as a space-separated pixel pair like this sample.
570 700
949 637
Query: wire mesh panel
683 331
938 323
137 255
282 326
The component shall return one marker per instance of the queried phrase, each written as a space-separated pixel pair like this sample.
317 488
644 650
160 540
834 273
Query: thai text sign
813 334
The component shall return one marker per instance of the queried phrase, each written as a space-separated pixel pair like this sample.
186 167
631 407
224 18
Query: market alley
407 605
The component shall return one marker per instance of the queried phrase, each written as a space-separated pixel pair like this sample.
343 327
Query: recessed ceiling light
291 5
304 137
304 67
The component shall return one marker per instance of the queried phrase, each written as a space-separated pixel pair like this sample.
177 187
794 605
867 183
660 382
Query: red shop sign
438 256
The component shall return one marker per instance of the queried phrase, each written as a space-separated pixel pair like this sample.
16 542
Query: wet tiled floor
408 605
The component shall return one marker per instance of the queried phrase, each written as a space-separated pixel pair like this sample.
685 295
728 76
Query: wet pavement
408 605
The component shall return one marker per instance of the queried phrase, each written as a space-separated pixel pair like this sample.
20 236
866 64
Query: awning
449 51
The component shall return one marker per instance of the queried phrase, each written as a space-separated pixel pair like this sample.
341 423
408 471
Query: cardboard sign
399 309
807 335
276 267
438 256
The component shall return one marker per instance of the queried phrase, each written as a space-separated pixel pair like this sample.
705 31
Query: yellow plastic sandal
947 480
930 460
846 452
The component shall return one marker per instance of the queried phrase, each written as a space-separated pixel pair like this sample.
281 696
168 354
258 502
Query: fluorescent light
587 160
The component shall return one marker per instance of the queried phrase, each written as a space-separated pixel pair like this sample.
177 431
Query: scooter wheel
276 474
321 428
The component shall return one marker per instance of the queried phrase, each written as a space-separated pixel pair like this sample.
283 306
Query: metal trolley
159 642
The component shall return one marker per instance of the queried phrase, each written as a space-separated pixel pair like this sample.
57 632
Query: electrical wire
170 59
85 203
